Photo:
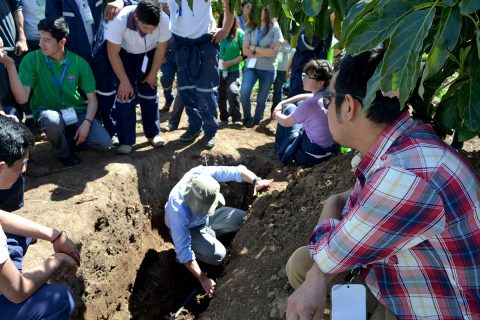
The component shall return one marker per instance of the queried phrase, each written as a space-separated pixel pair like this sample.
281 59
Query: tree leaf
373 85
448 112
338 7
448 32
377 25
477 38
312 7
469 99
401 64
356 13
469 6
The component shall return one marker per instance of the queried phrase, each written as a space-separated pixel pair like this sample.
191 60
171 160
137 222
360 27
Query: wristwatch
255 180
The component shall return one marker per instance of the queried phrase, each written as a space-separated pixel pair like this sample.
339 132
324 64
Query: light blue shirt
180 218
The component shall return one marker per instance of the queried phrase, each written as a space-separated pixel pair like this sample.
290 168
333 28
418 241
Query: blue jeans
228 90
61 135
197 80
147 97
250 77
293 144
280 79
49 302
205 244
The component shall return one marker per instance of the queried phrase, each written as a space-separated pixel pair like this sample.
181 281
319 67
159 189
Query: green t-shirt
36 73
229 50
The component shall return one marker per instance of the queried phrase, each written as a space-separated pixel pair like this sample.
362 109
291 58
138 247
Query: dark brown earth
113 206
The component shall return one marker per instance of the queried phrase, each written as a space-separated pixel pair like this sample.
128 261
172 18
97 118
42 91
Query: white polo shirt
191 24
122 31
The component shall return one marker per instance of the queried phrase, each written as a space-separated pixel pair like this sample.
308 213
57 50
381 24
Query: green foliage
432 47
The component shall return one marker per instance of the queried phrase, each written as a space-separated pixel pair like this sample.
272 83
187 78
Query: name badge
87 13
69 116
251 62
144 64
349 302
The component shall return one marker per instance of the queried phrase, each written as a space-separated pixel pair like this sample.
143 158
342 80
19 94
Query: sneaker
209 143
222 124
157 141
238 123
248 123
115 141
168 128
124 149
71 161
189 136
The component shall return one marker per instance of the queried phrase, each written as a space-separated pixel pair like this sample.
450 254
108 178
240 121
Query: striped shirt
412 223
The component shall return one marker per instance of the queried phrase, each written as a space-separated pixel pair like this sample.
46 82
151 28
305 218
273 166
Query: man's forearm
116 62
194 269
158 57
18 90
19 21
228 16
92 106
17 225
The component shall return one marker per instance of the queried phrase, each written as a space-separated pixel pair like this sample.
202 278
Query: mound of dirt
113 206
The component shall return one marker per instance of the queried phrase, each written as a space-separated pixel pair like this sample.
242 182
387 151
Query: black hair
244 3
320 70
15 140
149 11
353 75
56 26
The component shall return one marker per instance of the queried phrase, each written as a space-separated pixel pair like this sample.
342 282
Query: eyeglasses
327 97
306 76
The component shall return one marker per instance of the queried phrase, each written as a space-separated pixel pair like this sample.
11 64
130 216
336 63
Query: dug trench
113 207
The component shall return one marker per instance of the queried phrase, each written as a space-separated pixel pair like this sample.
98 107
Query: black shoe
71 161
188 136
248 123
209 143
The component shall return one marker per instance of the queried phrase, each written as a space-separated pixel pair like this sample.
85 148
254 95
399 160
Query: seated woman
302 133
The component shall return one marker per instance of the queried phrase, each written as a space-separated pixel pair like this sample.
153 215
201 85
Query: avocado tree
432 58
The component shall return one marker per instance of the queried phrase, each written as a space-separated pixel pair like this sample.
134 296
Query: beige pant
299 264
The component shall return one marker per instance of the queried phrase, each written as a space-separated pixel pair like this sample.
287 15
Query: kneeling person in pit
196 216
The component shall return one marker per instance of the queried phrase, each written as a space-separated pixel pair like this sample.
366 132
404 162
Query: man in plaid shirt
411 224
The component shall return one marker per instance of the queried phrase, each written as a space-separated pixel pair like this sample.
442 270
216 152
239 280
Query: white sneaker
115 141
124 149
156 141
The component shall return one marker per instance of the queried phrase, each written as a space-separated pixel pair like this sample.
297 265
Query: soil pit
113 207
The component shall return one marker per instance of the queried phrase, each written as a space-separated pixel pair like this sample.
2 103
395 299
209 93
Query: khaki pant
299 264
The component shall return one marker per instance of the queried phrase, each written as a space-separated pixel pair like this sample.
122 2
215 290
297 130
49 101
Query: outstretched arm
15 224
18 287
259 184
208 284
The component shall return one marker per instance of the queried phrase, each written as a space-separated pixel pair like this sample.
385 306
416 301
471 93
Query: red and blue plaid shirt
412 222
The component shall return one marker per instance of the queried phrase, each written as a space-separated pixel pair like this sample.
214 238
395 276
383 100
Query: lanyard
259 35
58 83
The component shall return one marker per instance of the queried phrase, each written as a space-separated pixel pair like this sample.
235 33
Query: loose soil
113 207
